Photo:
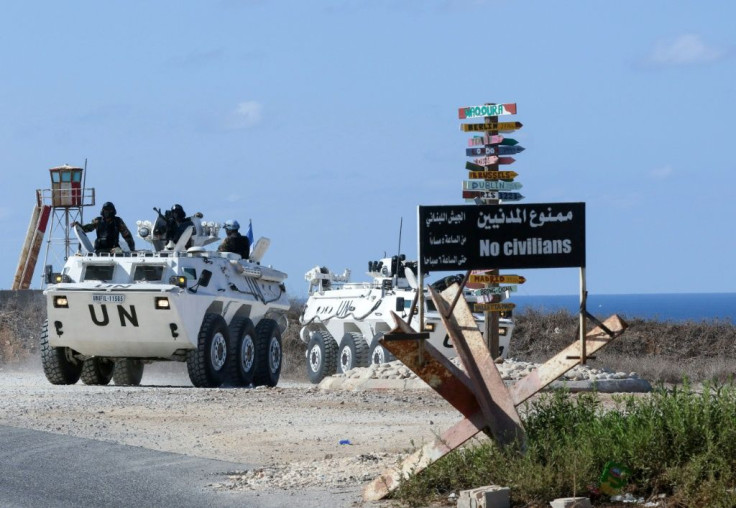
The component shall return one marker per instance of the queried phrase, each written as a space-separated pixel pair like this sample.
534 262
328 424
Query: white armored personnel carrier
109 314
342 322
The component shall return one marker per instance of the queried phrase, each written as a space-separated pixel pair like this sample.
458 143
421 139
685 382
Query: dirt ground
285 437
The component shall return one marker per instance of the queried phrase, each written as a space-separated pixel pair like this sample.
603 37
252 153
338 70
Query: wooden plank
419 460
561 363
490 392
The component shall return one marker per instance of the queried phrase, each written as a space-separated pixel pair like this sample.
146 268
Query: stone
571 502
491 496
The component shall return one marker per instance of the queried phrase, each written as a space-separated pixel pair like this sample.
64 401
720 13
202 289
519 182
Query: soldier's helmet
108 210
177 212
231 225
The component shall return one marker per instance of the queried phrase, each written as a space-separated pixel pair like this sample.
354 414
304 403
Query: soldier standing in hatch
109 227
234 241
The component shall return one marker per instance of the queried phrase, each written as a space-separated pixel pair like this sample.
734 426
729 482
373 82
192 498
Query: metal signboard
475 237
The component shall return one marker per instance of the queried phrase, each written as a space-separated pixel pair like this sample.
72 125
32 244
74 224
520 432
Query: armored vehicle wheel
207 363
128 372
268 353
353 352
321 356
380 354
97 371
243 351
59 369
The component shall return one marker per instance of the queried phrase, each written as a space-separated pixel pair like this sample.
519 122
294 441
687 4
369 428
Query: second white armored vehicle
343 321
109 314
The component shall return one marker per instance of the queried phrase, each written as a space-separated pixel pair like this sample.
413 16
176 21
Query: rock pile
579 378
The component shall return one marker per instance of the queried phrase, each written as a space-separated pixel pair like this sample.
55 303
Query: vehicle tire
242 352
97 371
128 372
353 352
207 365
269 355
380 354
321 356
59 370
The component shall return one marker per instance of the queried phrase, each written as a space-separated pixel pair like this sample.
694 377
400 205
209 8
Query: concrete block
491 496
571 502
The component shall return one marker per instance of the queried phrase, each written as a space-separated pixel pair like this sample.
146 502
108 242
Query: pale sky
328 122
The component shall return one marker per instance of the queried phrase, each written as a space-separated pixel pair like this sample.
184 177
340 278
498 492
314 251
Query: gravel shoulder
285 437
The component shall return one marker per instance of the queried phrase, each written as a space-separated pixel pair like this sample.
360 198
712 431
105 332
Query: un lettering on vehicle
126 315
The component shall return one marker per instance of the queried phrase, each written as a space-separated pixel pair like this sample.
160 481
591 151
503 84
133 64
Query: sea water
661 307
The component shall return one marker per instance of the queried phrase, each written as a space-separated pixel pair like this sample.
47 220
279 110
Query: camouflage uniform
108 233
237 243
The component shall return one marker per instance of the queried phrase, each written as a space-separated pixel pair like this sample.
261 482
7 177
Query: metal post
420 279
581 317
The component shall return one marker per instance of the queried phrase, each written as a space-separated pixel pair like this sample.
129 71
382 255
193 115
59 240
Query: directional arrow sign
476 152
506 196
489 185
507 141
493 307
494 150
496 279
486 110
506 160
495 291
495 175
487 139
495 126
508 150
485 161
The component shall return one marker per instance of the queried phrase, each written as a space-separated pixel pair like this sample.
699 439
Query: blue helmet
231 225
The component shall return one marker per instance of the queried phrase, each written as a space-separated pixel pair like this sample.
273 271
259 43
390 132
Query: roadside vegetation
679 442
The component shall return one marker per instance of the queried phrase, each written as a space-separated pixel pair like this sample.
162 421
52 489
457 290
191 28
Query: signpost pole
420 279
583 303
491 318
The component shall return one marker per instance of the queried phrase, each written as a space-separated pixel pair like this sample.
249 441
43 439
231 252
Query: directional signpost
497 279
494 150
485 186
495 126
490 194
493 307
486 110
490 184
497 175
496 290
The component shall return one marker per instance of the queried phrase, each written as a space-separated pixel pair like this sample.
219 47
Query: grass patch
679 442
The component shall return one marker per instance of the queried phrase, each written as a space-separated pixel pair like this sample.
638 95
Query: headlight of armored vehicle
162 302
61 302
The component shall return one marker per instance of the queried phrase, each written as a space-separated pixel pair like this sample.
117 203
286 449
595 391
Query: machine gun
165 226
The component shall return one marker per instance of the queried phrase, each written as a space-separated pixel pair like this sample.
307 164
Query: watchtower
63 203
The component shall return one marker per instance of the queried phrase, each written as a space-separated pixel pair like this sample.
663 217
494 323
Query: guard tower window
148 273
98 272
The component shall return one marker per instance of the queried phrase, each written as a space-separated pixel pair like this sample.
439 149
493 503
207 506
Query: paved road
56 471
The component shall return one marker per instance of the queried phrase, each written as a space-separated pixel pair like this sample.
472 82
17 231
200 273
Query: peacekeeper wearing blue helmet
234 241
